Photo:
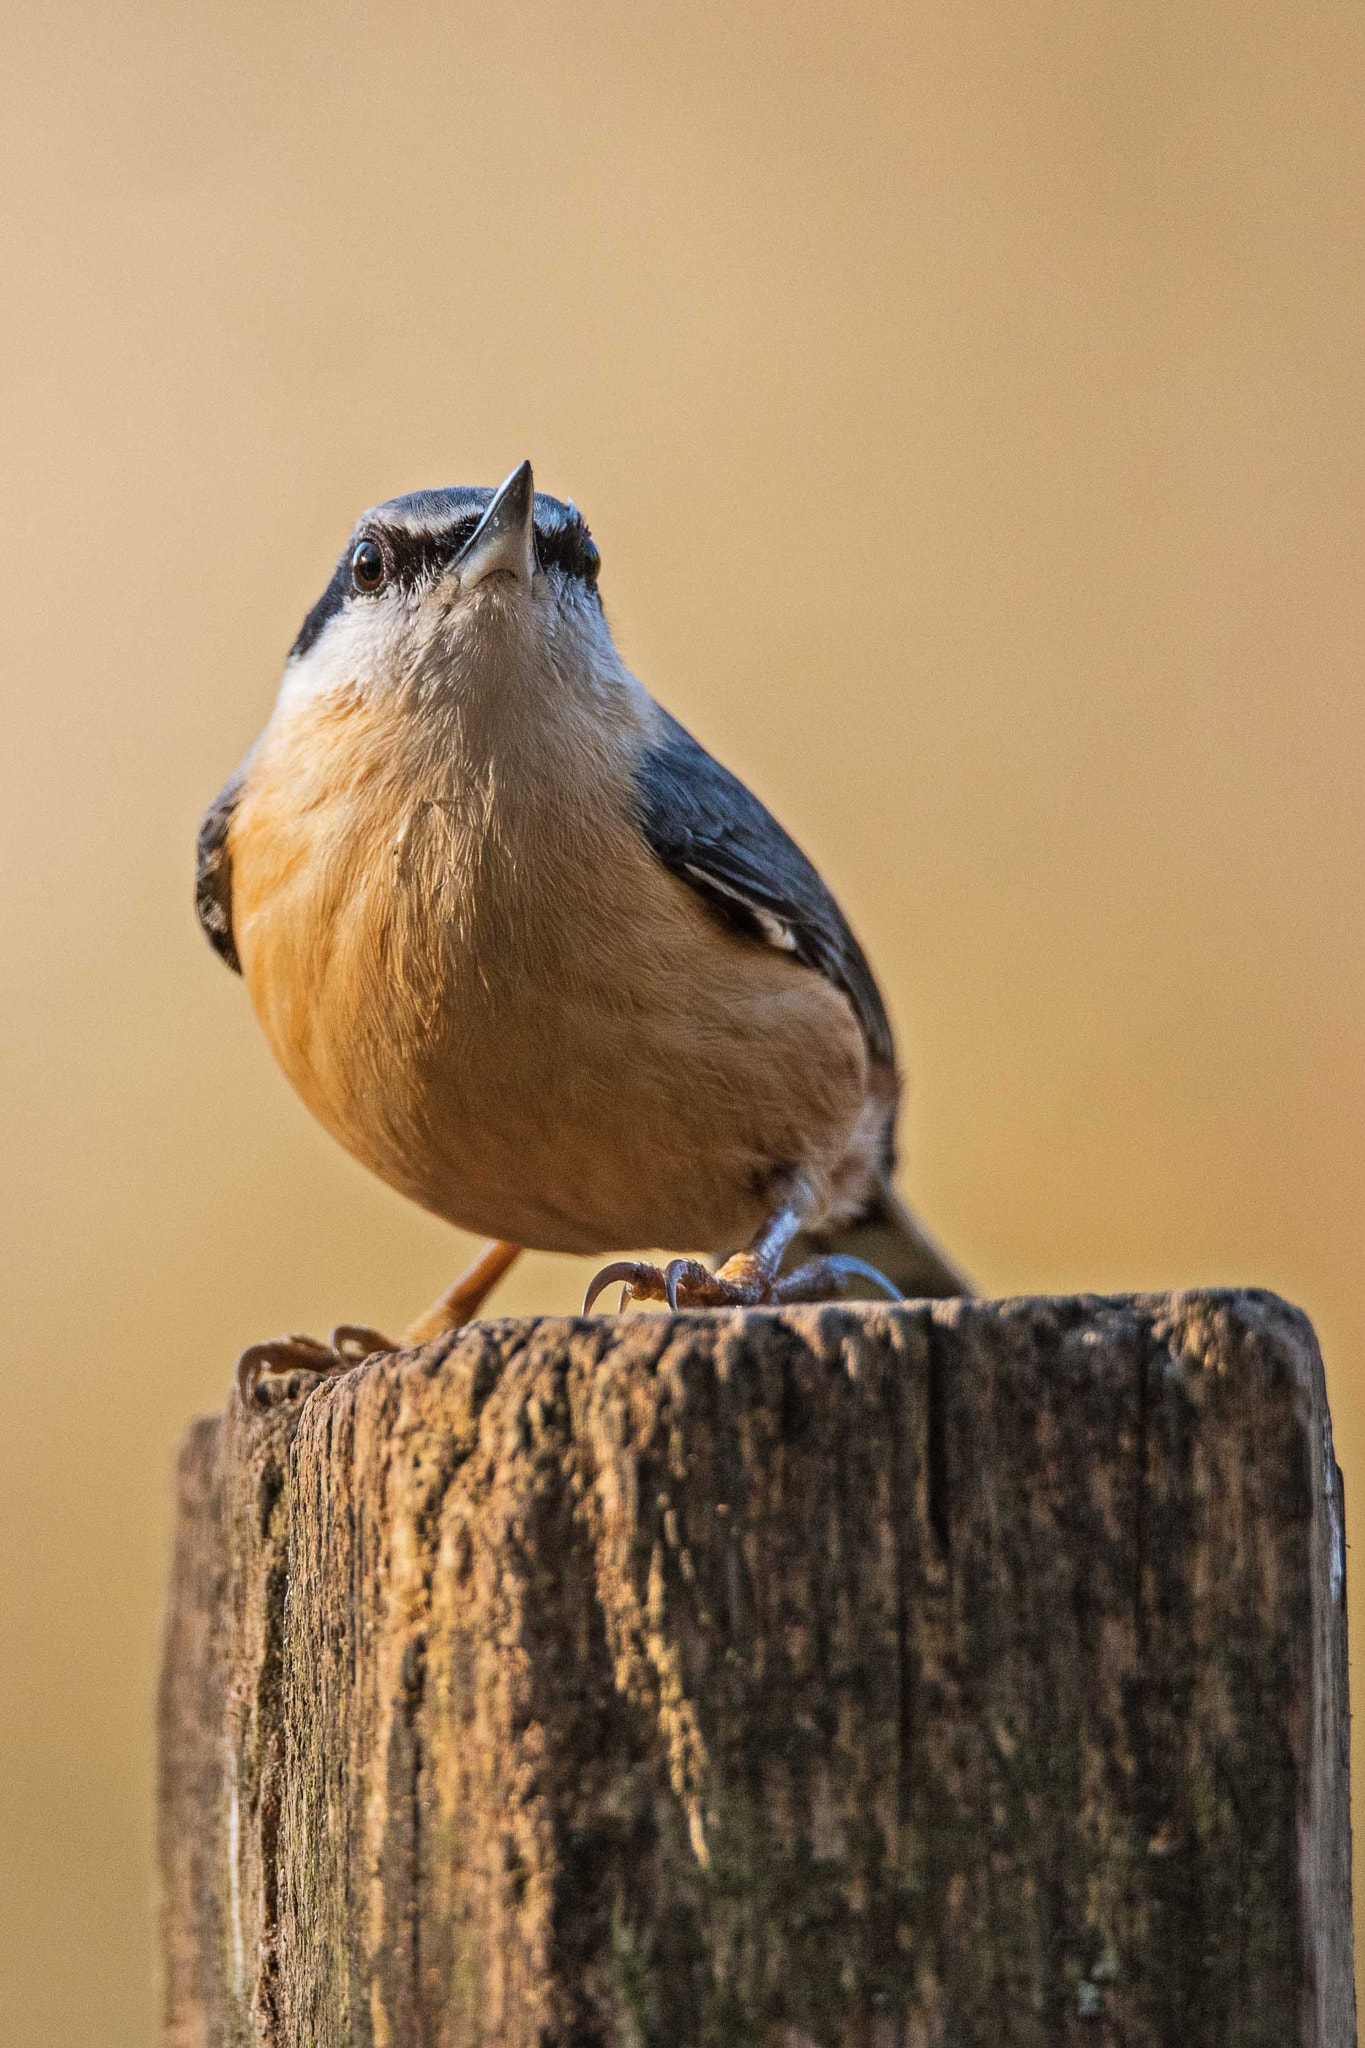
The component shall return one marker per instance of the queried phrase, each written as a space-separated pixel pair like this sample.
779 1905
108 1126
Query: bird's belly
573 1129
562 1123
571 1094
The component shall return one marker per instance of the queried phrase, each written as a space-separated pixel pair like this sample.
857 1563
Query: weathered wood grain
959 1673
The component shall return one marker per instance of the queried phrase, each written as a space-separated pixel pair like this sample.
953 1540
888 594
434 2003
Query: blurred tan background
968 402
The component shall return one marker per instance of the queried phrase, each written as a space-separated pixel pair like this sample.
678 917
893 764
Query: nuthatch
532 955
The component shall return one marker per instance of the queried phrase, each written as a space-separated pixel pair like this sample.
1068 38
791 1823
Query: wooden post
968 1673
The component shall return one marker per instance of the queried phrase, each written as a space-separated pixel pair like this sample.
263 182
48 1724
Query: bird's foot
683 1283
742 1282
348 1345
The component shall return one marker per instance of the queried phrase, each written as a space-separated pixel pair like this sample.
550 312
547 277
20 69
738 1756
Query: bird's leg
462 1302
748 1278
351 1342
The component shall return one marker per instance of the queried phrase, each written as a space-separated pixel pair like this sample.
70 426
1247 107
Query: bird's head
454 590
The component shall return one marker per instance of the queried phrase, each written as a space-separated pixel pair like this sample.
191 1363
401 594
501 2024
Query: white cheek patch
363 647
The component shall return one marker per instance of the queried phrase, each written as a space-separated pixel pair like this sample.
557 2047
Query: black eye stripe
421 535
419 558
407 560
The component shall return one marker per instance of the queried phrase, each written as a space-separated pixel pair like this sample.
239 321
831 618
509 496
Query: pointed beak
504 542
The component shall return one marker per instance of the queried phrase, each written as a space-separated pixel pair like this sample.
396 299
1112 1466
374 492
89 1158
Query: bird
534 956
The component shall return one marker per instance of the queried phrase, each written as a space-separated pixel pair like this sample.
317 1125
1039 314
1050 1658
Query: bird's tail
893 1240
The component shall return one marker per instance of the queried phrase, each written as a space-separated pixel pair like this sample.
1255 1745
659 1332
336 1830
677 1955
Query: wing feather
213 879
713 833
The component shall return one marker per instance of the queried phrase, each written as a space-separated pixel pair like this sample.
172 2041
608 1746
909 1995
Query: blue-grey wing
713 833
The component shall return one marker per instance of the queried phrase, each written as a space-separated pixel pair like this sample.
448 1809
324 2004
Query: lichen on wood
957 1672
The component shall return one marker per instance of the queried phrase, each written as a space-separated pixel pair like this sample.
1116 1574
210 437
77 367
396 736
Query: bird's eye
368 568
591 559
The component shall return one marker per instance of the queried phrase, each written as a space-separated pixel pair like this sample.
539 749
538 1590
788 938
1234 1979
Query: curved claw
858 1269
642 1279
680 1273
282 1354
358 1341
818 1278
